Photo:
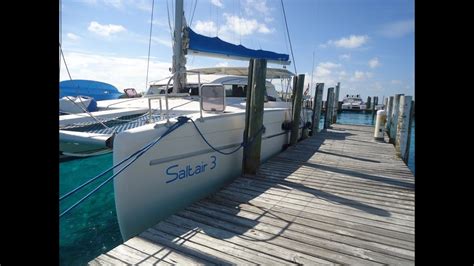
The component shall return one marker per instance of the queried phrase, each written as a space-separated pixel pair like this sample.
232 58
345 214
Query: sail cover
215 47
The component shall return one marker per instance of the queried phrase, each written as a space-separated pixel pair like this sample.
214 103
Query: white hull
353 107
152 187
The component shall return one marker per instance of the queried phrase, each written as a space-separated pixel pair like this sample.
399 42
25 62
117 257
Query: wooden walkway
336 198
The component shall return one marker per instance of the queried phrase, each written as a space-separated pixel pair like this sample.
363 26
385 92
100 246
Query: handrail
167 87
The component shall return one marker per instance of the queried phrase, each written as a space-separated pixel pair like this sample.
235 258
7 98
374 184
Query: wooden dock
338 197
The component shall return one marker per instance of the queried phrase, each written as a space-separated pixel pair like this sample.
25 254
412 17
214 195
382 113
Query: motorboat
353 102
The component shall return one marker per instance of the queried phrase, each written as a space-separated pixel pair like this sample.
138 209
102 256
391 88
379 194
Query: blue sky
367 45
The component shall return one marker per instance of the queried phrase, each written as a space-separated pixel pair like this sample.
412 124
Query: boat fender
286 125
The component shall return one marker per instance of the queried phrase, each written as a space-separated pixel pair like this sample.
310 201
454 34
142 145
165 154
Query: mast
60 37
179 61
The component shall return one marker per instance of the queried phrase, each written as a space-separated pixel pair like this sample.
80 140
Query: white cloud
258 8
234 25
329 65
262 28
115 3
243 26
73 36
122 72
396 81
205 27
345 56
217 3
322 72
105 30
374 62
325 72
350 42
398 29
342 74
268 19
360 76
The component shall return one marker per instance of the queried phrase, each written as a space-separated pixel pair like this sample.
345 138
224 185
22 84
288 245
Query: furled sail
213 46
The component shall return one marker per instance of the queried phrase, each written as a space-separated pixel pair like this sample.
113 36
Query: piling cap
381 112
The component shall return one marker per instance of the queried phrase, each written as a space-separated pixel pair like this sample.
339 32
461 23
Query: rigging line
233 14
173 9
289 38
285 37
217 19
312 74
149 45
240 24
64 59
169 22
192 16
80 99
89 113
137 155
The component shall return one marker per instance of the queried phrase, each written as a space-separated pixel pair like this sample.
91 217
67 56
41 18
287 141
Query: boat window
228 90
238 91
235 90
213 98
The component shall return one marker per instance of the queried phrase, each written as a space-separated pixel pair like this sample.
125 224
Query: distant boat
353 102
91 88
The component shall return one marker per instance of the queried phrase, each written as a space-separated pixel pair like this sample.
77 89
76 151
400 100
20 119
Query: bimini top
215 47
272 73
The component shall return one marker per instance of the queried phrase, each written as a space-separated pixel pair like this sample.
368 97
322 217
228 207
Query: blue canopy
213 46
95 89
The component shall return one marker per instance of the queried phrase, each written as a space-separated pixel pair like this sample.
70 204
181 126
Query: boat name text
175 172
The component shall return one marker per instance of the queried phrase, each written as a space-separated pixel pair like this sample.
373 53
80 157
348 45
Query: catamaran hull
182 168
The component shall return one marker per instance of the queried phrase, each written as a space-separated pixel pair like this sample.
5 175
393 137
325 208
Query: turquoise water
92 229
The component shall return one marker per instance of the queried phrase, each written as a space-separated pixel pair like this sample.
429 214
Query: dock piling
403 128
394 118
388 108
336 103
298 96
329 108
254 115
318 104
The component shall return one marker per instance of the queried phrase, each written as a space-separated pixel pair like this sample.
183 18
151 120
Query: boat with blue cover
91 88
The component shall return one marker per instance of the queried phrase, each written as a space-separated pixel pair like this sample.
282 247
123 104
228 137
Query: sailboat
200 156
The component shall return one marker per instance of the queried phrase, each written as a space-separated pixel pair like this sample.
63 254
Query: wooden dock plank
300 233
338 197
307 192
262 213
